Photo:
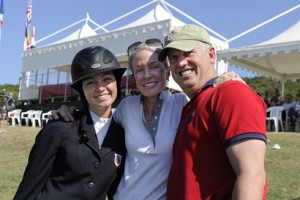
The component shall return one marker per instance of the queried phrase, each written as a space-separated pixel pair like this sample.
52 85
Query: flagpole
1 18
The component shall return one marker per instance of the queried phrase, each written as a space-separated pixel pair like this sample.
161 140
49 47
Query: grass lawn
283 166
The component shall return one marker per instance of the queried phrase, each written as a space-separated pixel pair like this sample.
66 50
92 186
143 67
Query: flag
27 25
33 37
29 12
1 13
27 38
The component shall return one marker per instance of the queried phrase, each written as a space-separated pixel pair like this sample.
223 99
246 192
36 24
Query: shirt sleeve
117 115
40 163
239 113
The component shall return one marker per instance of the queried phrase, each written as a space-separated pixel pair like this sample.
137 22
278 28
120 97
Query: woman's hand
64 111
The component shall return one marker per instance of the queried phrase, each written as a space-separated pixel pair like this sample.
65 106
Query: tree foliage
8 88
260 84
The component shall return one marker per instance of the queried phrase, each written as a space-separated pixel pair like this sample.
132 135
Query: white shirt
101 126
147 162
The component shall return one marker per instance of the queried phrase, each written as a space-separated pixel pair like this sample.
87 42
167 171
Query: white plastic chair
15 115
45 117
37 117
28 115
275 116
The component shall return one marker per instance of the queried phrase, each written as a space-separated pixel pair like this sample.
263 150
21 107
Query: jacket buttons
97 165
90 185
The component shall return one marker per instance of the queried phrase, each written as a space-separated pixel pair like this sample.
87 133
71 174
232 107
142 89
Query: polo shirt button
97 165
154 128
155 117
90 185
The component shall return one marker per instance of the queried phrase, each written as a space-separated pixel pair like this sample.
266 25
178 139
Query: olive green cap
184 38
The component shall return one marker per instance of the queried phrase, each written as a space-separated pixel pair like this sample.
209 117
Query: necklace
148 113
148 118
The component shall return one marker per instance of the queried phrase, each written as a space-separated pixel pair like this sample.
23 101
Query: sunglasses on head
150 42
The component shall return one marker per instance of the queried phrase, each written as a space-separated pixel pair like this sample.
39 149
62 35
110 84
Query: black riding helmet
91 61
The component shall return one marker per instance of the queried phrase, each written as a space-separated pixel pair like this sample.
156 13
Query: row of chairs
35 117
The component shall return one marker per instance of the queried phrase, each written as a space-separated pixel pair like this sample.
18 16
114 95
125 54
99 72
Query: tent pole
127 77
44 38
263 23
195 21
41 90
66 88
282 87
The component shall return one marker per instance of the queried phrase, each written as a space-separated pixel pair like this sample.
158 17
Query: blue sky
228 18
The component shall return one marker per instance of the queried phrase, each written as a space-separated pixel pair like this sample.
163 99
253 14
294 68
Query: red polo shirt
214 119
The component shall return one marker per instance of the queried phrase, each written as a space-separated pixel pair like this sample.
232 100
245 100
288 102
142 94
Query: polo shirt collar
205 86
164 95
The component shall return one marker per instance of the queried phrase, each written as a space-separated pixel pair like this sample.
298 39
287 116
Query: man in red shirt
219 149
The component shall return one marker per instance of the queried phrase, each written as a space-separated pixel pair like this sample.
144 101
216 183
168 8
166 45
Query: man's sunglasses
150 42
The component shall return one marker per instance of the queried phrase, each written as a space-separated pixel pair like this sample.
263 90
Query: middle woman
150 121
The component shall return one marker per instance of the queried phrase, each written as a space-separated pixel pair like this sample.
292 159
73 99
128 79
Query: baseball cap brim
183 45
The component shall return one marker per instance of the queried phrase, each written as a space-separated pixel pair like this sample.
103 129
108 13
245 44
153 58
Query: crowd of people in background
291 107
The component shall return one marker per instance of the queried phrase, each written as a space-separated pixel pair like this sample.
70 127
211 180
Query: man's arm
247 160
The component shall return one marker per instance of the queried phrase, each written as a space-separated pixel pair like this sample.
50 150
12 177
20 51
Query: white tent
58 55
84 31
154 15
278 58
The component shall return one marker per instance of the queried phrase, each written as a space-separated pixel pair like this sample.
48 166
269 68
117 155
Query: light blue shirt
288 105
148 159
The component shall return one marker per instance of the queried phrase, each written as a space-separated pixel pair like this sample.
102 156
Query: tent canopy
154 15
55 58
82 32
278 58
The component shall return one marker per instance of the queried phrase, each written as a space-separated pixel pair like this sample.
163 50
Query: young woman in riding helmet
82 159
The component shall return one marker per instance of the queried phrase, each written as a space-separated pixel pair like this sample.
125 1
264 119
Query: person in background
294 112
150 121
83 159
288 104
279 98
219 148
266 98
9 106
273 101
3 113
